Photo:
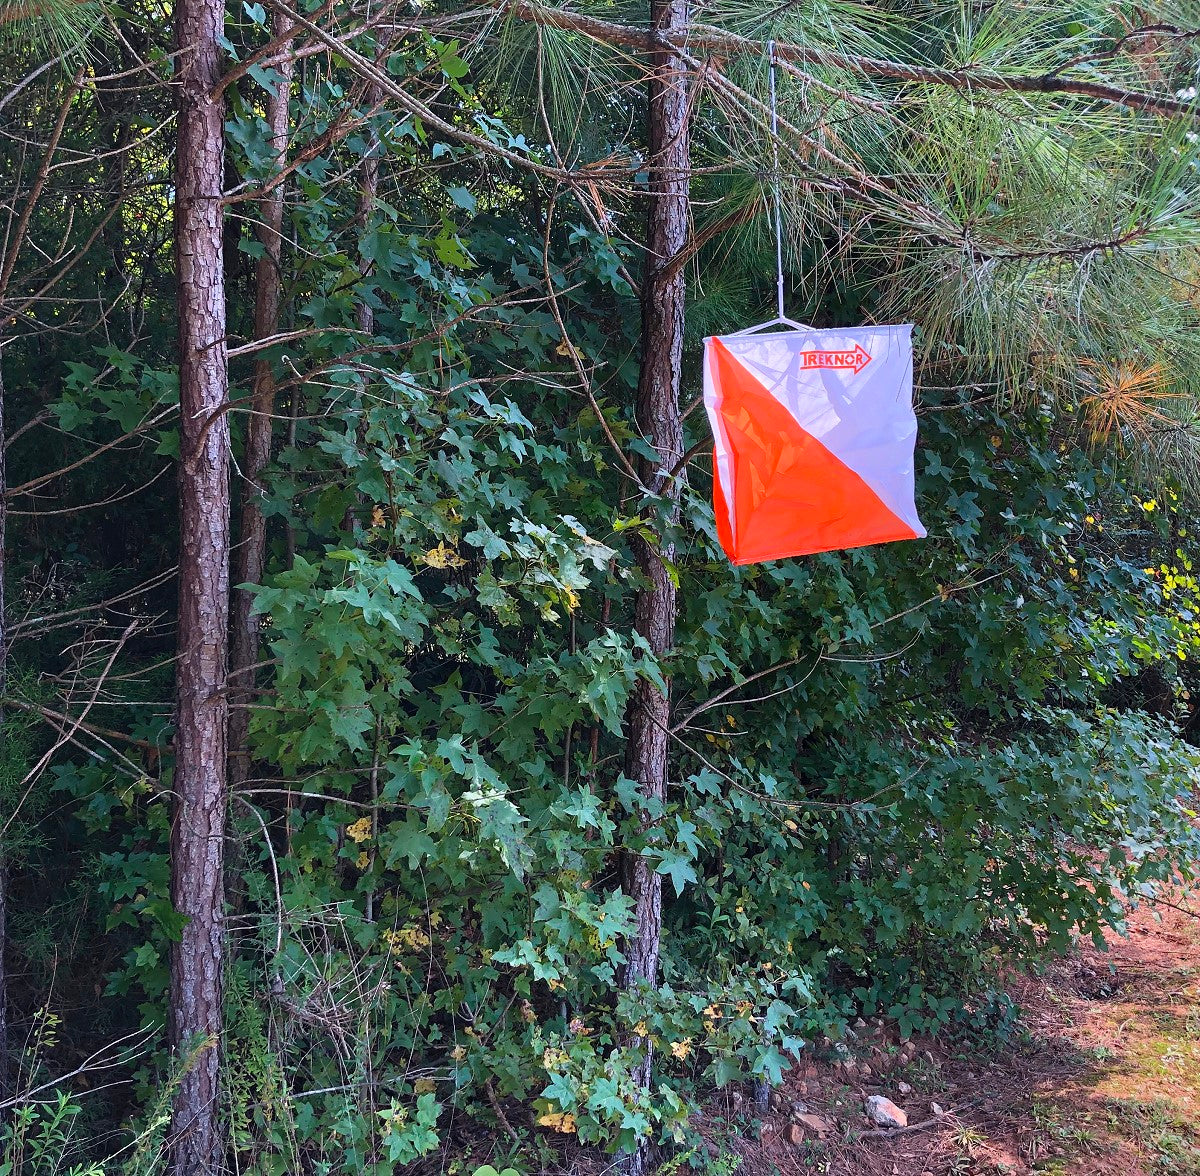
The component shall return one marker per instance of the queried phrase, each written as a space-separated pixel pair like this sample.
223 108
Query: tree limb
718 40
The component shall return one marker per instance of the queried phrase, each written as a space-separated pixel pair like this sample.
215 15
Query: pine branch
363 67
719 41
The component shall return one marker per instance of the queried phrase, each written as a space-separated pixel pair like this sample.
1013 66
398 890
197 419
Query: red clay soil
1106 1081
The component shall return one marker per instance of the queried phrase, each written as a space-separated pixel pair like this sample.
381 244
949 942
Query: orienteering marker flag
814 437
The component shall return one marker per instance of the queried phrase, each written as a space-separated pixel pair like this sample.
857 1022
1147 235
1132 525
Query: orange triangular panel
783 493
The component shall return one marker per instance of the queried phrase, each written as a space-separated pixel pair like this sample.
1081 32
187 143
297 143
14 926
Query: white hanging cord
778 191
781 319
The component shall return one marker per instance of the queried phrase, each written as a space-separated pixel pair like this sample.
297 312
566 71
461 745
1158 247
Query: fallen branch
885 1132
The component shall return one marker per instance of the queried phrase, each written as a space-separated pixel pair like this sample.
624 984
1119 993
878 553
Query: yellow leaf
400 939
442 556
377 519
424 1086
681 1049
360 831
558 1121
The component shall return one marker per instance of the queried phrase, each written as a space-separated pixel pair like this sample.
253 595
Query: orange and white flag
814 438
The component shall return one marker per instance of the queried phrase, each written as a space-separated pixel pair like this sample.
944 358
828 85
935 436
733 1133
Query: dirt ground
1105 1082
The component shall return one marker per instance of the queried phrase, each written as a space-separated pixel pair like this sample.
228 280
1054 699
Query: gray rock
883 1112
903 1088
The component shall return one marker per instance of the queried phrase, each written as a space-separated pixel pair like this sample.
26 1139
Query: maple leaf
558 1121
442 556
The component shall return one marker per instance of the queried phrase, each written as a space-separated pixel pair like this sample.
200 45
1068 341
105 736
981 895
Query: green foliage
40 1140
59 27
892 770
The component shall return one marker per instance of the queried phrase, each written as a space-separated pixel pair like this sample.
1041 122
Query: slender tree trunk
198 825
364 312
4 1068
658 419
251 554
368 193
4 1091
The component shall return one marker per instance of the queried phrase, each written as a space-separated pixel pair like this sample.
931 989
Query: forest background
491 813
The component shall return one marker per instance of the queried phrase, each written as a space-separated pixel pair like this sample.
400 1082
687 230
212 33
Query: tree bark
659 419
364 313
251 554
368 193
4 1067
198 824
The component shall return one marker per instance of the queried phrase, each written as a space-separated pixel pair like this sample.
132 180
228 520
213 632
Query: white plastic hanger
779 321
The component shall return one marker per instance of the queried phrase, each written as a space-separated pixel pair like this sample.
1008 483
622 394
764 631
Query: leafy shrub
39 1139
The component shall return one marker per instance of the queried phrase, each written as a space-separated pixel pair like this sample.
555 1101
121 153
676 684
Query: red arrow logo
853 361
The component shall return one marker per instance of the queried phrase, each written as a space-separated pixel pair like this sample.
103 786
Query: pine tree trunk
251 555
658 418
198 825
